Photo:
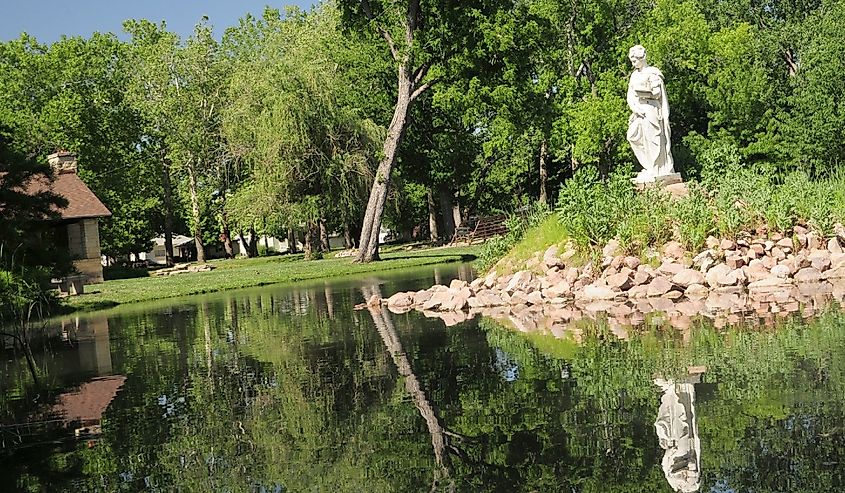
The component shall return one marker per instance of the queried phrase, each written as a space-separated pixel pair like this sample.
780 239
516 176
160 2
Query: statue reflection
677 432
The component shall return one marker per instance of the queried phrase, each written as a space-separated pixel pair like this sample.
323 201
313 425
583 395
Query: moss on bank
244 273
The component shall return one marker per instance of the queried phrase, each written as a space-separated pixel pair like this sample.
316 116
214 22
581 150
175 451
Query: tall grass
727 202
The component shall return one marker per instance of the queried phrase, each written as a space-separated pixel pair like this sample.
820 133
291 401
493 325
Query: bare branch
420 73
424 87
368 11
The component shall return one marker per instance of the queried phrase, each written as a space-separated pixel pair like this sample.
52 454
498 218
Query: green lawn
244 273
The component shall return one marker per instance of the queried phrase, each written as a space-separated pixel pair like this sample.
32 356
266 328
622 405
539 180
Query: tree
72 95
309 153
429 42
179 90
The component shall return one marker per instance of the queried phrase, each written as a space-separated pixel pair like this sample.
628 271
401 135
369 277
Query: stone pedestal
672 183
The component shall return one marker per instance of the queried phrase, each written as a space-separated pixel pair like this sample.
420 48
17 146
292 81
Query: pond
288 389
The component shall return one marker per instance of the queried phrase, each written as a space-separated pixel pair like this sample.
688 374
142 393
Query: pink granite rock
659 286
808 274
688 277
674 249
593 292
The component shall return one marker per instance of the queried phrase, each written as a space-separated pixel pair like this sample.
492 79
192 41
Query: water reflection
90 336
83 353
677 433
393 345
290 389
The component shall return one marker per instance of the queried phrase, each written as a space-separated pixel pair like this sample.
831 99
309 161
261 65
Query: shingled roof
82 203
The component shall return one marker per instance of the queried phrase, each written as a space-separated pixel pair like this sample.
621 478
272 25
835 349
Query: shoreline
730 281
250 273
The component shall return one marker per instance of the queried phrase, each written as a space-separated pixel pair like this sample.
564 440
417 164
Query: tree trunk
167 186
368 244
544 172
433 232
226 235
195 212
308 246
324 237
347 236
393 345
266 240
355 232
253 242
447 213
244 243
291 241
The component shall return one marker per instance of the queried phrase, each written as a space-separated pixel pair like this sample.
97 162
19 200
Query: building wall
84 244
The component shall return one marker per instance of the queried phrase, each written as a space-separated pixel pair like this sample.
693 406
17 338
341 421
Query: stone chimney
62 162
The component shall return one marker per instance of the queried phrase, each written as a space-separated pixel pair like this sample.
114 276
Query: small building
184 250
79 228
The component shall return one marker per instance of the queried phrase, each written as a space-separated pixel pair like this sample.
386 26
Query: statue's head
637 56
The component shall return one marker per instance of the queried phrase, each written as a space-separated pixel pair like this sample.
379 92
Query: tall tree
426 40
310 153
180 91
72 95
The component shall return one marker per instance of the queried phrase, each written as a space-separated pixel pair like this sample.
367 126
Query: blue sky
48 20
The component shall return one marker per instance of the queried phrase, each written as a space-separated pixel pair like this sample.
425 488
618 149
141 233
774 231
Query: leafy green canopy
309 151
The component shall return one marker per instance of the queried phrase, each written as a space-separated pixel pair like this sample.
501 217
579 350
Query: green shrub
587 208
24 294
593 211
112 272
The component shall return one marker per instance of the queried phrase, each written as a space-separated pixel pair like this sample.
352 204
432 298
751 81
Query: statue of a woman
648 126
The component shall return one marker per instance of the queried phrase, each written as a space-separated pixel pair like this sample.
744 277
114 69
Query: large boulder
688 277
598 292
808 274
612 249
670 268
716 274
769 284
401 300
659 286
674 250
620 281
436 300
551 258
457 284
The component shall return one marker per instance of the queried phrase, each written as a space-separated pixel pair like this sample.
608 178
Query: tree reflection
384 325
270 389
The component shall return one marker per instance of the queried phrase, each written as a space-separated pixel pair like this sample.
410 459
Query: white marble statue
648 126
677 433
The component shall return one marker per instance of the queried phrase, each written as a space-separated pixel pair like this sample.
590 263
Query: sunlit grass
244 273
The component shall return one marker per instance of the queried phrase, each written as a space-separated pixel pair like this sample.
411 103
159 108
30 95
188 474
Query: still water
288 389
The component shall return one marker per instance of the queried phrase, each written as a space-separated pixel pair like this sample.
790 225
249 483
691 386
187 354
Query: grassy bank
731 202
244 273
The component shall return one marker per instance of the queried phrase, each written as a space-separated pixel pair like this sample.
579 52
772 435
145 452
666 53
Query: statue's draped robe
649 135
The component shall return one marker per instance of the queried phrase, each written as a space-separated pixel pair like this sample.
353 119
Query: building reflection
91 338
91 386
677 433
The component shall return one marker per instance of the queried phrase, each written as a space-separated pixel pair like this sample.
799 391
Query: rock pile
182 269
731 279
